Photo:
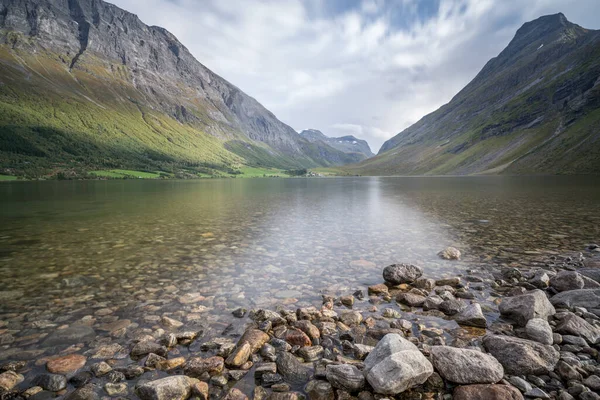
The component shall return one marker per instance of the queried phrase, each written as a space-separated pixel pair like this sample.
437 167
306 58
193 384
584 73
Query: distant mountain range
533 109
86 85
348 144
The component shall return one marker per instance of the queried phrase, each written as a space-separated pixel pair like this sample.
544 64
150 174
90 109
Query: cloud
371 67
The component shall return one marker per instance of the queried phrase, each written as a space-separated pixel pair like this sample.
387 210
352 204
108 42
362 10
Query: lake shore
540 340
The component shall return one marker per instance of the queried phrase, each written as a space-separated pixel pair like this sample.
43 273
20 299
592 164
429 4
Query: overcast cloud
365 67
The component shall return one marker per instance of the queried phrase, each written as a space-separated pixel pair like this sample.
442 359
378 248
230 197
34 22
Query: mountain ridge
348 144
94 56
528 110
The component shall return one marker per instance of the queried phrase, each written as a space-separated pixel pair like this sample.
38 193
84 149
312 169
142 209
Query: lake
122 254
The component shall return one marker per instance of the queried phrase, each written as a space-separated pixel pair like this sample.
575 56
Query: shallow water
102 251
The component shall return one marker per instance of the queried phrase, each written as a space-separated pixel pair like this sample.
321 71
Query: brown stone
308 328
200 390
487 392
255 338
378 289
296 337
167 365
235 394
9 380
239 356
64 365
197 366
115 326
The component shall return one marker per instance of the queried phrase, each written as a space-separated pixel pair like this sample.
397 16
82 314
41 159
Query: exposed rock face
466 366
146 68
401 273
347 144
550 60
520 356
533 304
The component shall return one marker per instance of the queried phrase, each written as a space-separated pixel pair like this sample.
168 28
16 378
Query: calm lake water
106 251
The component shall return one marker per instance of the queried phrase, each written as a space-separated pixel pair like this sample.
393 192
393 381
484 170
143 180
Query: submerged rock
71 335
465 366
450 253
66 364
9 380
401 273
521 356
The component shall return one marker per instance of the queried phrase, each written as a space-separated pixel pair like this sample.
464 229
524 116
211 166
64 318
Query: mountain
86 85
348 144
533 109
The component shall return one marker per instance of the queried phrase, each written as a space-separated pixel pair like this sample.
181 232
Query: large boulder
521 356
177 387
388 345
522 308
466 366
395 365
586 298
346 377
487 392
571 324
401 273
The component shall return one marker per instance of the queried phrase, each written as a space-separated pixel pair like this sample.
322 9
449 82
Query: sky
370 68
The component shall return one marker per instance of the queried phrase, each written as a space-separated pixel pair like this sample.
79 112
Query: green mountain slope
85 85
534 109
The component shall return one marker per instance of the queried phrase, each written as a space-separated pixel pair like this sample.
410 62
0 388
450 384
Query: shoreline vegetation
111 174
538 339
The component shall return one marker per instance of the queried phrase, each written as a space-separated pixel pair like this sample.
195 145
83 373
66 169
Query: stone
452 306
100 369
450 253
114 389
399 372
391 313
87 392
346 377
520 383
539 330
168 322
239 312
319 390
72 335
311 353
66 364
586 298
81 379
196 366
571 324
537 393
51 382
308 328
176 387
465 366
521 356
172 363
567 280
411 299
401 273
235 394
296 337
472 315
593 382
146 347
348 301
567 372
487 392
291 369
454 282
388 345
424 283
378 289
9 380
361 351
522 308
432 303
256 338
239 356
351 318
200 390
541 280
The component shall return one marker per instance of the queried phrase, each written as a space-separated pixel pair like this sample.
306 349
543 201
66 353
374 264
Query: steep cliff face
348 144
100 58
535 108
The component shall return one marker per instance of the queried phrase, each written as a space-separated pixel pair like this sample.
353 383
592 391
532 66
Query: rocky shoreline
367 345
